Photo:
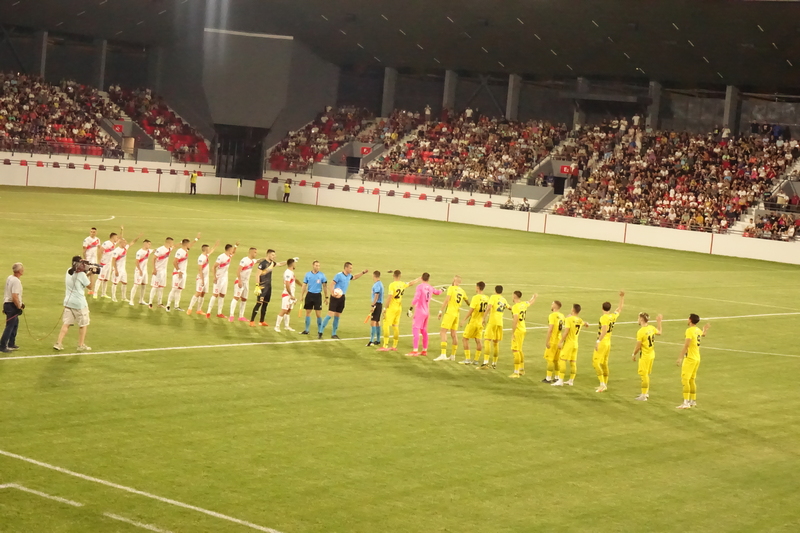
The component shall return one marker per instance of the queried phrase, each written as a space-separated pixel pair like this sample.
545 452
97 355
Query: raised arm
356 276
659 318
621 302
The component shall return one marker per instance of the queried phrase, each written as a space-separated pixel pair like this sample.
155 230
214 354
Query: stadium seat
6 161
407 194
39 164
87 166
376 191
488 204
71 165
199 174
23 163
302 183
360 189
346 188
454 201
56 164
116 168
439 198
145 171
471 201
159 171
390 193
275 179
423 196
317 184
101 167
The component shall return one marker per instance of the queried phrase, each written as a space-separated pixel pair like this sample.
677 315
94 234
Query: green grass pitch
321 437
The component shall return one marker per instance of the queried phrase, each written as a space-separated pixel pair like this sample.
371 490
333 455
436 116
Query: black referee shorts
376 313
336 305
313 301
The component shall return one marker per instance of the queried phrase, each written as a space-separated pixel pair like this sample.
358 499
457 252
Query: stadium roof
752 44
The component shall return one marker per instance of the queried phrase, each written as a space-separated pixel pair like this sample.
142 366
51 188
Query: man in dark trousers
265 268
12 308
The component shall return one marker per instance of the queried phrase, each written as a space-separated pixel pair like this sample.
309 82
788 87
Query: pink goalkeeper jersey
422 298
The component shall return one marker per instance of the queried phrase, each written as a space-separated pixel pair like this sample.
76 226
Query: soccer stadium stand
483 155
153 114
332 128
674 179
39 117
391 130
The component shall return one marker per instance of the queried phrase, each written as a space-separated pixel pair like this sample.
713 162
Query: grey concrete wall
126 67
413 93
70 61
539 103
690 113
361 89
481 100
771 112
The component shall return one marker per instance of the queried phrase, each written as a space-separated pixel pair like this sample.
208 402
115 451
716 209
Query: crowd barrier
376 200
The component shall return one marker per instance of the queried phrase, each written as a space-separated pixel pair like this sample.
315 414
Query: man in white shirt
90 245
119 259
201 281
106 249
140 271
12 308
76 309
179 266
220 275
287 296
241 286
159 278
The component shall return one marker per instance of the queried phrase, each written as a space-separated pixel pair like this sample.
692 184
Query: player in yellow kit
519 310
555 325
493 327
645 343
568 346
449 315
391 316
689 361
602 347
474 321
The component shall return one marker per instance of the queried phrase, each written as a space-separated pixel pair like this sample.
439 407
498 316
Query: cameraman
76 309
12 307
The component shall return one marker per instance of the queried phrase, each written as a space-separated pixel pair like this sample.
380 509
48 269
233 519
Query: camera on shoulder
82 265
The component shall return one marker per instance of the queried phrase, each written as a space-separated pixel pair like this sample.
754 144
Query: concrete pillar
449 97
731 116
579 115
99 67
389 89
40 53
653 119
512 99
155 67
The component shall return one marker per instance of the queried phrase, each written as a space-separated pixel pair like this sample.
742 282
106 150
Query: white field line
302 341
704 348
40 494
148 527
139 492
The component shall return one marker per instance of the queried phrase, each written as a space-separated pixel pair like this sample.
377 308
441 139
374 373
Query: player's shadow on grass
57 372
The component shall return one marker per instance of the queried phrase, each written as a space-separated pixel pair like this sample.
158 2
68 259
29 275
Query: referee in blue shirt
340 281
376 310
314 285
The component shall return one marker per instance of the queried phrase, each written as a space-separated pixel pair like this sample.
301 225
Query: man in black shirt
265 268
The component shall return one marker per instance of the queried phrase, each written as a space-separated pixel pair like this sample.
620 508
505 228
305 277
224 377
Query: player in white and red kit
179 265
241 285
287 296
159 278
119 272
420 304
90 245
219 273
201 281
140 271
106 249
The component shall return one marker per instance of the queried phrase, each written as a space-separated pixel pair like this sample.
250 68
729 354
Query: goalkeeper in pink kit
422 298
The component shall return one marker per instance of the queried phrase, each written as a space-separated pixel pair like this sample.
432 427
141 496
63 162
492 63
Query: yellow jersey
479 305
694 333
608 319
457 295
556 319
520 309
498 304
396 291
573 325
647 336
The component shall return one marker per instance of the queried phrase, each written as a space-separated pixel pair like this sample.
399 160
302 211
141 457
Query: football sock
477 355
371 334
152 295
308 323
692 389
324 324
396 337
177 299
424 339
200 301
278 320
444 348
386 335
263 312
255 312
286 319
454 351
517 362
233 306
335 325
377 334
124 291
114 292
133 292
550 369
573 370
645 384
192 302
416 338
467 356
220 304
521 361
496 354
561 368
599 370
319 322
242 308
97 286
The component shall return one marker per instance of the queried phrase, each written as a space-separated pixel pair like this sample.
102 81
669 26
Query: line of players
484 320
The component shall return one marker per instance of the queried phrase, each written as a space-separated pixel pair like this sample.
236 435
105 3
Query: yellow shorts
474 330
450 322
493 332
601 353
689 369
646 365
552 353
516 341
569 352
392 317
